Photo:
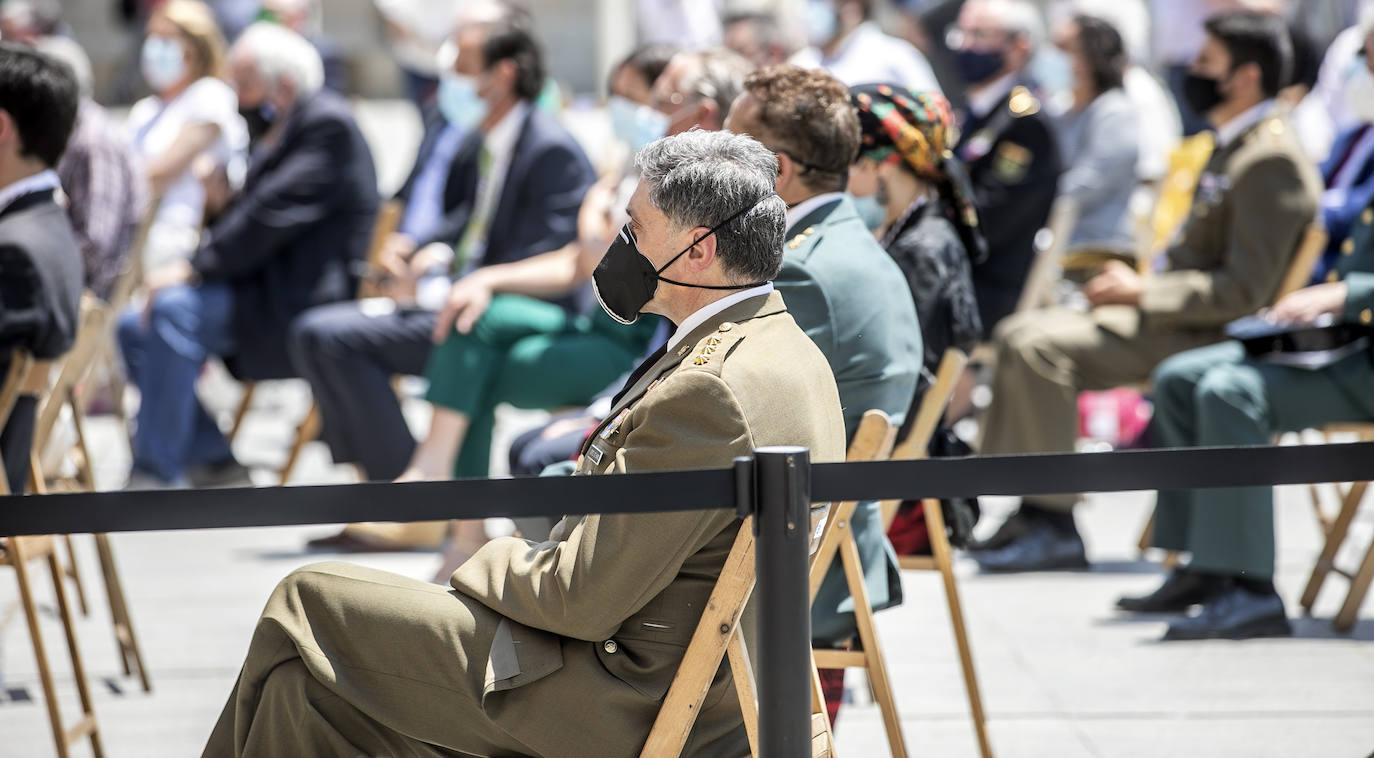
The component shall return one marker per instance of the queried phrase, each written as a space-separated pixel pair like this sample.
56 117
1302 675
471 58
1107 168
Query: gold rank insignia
1023 103
1011 162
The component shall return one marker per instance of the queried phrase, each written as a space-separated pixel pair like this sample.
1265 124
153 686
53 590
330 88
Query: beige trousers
1045 358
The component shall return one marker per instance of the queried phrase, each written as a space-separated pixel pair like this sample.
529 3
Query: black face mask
625 280
977 66
258 119
1201 93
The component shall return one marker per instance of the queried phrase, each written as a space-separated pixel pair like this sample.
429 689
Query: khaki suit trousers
1046 357
350 661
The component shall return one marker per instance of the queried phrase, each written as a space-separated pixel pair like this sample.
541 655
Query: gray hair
700 178
1022 18
719 75
279 53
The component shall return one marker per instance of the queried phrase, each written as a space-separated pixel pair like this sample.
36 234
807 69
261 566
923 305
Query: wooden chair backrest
132 276
388 219
1040 278
872 441
73 367
718 626
718 629
1304 259
928 416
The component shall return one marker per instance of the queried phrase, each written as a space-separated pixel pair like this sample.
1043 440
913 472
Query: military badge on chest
1011 163
1211 188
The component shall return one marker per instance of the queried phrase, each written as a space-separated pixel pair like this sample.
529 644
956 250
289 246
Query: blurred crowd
1082 193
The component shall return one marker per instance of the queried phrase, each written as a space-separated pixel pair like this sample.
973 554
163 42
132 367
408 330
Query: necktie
639 372
470 250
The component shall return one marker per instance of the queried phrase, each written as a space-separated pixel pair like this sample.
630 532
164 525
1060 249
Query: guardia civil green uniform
1255 199
556 649
1216 396
852 300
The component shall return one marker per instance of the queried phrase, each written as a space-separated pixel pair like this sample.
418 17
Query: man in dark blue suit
512 192
288 241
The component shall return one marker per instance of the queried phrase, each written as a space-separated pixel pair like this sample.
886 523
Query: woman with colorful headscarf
915 195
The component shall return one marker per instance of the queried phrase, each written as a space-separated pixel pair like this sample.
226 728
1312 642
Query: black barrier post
782 532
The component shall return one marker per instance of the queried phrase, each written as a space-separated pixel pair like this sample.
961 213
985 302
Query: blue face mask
162 62
459 102
635 125
873 213
820 21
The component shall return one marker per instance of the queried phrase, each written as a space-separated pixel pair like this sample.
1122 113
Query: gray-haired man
567 647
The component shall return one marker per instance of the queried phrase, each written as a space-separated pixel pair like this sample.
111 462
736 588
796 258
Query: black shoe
222 475
1042 548
1015 527
1181 591
1234 614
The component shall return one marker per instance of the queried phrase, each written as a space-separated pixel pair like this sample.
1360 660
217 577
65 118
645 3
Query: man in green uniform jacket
843 289
565 648
1217 396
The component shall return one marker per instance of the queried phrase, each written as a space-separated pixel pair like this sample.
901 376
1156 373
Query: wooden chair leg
876 666
131 655
743 673
1359 586
86 727
818 701
939 544
1146 535
19 559
72 572
307 432
1335 535
249 388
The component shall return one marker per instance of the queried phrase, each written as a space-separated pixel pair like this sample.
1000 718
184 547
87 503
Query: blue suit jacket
1340 220
543 190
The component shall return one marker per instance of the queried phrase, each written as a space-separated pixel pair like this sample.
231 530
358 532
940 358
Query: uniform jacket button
610 647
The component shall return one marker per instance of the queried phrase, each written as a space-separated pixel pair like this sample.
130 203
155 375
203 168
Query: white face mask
1359 93
163 62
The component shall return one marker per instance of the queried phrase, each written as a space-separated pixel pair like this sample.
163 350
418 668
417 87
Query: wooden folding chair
388 219
19 552
872 441
70 372
1336 531
914 447
716 637
1297 275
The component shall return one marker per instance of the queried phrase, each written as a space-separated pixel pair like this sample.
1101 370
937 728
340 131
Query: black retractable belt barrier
776 486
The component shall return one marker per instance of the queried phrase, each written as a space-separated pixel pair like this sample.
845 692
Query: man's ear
703 253
506 73
710 118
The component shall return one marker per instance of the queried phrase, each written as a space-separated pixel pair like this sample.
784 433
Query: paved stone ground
1063 676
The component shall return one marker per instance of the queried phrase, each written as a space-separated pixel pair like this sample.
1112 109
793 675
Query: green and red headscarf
917 128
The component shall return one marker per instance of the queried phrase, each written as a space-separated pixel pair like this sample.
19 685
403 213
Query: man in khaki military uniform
566 647
1255 198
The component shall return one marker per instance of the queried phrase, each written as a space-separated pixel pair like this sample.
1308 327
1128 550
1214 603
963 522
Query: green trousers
1214 396
530 354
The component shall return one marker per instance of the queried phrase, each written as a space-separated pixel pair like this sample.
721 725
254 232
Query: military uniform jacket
1254 201
1014 164
595 621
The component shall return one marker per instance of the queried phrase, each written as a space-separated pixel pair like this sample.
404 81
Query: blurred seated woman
191 112
915 195
1100 142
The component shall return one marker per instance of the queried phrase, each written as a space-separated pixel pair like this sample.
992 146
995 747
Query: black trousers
349 352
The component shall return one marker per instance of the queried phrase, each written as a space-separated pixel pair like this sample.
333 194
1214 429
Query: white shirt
800 210
39 182
706 311
153 125
499 142
982 102
1227 132
868 56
